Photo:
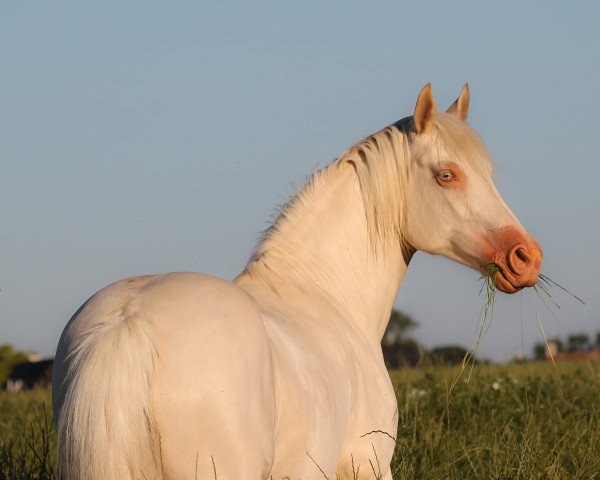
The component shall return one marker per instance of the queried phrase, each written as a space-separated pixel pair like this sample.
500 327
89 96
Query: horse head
452 205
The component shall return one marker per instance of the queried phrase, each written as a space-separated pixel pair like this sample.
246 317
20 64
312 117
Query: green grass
528 421
27 438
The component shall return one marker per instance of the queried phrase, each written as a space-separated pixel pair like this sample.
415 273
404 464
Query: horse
279 373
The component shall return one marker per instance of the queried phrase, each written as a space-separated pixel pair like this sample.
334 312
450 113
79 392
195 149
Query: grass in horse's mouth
487 311
489 282
485 319
541 288
545 283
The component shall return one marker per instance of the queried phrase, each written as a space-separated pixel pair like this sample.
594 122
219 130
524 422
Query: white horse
279 374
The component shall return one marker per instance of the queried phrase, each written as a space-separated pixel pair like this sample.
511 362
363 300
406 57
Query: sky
146 137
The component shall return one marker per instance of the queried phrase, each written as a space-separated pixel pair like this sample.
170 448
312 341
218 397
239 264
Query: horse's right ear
424 110
460 107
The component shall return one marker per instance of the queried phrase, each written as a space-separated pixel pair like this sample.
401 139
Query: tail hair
105 426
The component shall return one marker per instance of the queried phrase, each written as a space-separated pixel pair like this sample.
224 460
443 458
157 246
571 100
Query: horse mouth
503 283
514 261
507 282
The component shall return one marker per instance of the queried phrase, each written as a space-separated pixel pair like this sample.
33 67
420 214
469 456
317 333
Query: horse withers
280 374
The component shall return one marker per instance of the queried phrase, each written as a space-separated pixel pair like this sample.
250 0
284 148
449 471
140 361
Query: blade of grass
547 279
522 332
484 321
541 286
539 320
547 306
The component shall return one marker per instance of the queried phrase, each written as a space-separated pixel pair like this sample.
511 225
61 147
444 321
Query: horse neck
320 248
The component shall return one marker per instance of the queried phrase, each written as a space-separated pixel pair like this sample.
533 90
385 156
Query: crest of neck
322 248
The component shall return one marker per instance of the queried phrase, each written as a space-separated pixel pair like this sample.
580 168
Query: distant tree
598 339
539 351
398 327
578 342
8 358
406 353
399 350
448 354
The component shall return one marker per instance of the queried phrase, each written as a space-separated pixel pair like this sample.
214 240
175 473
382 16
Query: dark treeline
401 350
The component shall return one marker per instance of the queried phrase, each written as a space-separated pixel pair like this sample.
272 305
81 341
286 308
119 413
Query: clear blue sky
143 137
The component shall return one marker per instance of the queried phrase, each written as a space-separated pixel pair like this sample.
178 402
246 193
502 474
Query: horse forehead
458 139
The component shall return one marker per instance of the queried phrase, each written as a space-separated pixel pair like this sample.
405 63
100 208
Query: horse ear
424 110
460 107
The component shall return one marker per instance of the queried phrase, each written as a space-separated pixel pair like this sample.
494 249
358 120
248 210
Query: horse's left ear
424 110
460 107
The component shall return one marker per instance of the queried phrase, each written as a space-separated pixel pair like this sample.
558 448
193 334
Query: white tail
105 426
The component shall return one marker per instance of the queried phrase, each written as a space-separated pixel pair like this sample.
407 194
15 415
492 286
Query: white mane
381 162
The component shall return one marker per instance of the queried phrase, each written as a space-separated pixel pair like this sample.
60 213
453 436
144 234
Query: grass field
530 421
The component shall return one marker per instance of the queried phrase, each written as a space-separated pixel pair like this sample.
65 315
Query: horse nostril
521 254
519 260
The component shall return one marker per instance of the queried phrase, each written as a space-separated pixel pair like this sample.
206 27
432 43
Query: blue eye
446 176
